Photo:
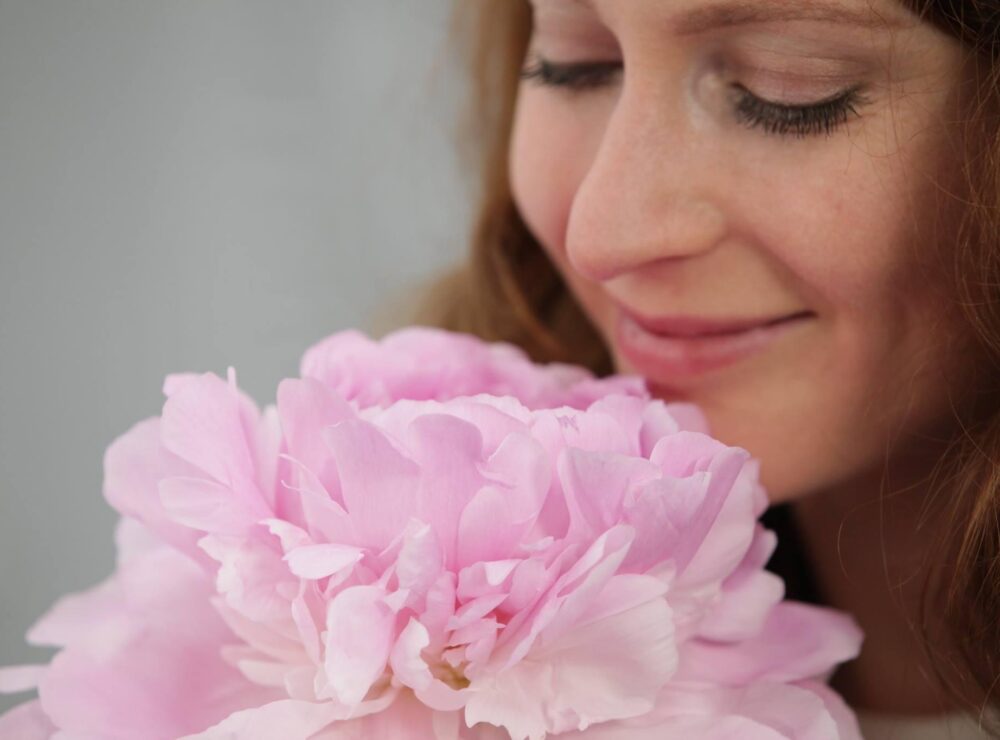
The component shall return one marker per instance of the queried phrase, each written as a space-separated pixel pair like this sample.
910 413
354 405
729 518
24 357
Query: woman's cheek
552 147
553 143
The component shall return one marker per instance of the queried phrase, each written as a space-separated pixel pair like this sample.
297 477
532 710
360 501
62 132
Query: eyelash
754 112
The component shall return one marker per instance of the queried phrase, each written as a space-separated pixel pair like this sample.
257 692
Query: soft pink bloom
431 537
421 363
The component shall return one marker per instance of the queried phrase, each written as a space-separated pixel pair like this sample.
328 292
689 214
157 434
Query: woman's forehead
693 17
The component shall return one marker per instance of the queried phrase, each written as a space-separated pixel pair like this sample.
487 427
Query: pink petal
567 599
449 452
439 607
92 614
659 511
307 407
799 641
18 678
133 466
421 559
522 468
702 727
251 576
407 664
411 670
609 669
660 419
26 722
485 578
407 719
203 504
689 453
595 484
203 424
289 535
379 505
487 528
288 719
747 597
109 688
358 642
320 561
474 610
511 700
842 715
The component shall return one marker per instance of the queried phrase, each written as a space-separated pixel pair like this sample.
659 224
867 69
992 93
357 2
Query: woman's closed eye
749 109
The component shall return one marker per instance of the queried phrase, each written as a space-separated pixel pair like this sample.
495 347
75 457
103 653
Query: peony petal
474 610
659 511
320 561
252 576
690 453
203 425
521 467
799 641
703 727
511 700
596 484
140 683
26 721
208 506
765 711
660 419
727 540
287 719
609 669
567 599
306 408
439 607
449 453
94 614
289 535
407 664
487 528
748 595
421 559
358 641
379 505
133 466
485 579
408 719
848 727
19 678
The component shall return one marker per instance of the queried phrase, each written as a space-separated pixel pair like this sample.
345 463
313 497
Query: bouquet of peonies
429 537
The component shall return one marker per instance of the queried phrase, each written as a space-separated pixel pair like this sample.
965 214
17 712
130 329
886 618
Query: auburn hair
506 289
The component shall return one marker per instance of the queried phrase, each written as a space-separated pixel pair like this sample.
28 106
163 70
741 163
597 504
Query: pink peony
430 537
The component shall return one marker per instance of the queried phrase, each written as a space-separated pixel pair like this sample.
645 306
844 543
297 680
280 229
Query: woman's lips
676 348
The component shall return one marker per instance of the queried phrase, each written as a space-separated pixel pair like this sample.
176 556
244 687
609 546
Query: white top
956 726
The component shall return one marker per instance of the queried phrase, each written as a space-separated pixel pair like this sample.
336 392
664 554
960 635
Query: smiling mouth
693 327
675 349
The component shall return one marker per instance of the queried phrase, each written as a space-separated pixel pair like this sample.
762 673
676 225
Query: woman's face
667 181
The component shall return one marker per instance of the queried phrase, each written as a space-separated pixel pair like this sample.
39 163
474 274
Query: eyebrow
741 13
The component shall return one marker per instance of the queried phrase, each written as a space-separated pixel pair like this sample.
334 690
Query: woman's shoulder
954 726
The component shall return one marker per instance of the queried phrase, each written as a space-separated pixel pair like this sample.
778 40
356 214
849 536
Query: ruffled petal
26 722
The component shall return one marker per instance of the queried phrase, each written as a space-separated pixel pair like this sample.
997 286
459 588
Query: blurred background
189 185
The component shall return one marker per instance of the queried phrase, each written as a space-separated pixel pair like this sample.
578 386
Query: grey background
187 185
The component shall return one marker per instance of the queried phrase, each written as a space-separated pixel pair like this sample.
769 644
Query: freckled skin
649 192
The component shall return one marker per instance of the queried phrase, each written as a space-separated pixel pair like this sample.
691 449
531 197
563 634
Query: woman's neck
868 554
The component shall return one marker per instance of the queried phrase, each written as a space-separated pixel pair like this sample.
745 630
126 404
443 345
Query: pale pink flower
423 363
403 547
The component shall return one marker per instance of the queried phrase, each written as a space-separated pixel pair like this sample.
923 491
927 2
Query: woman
788 214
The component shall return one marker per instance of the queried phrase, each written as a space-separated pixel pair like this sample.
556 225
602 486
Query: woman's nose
646 197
